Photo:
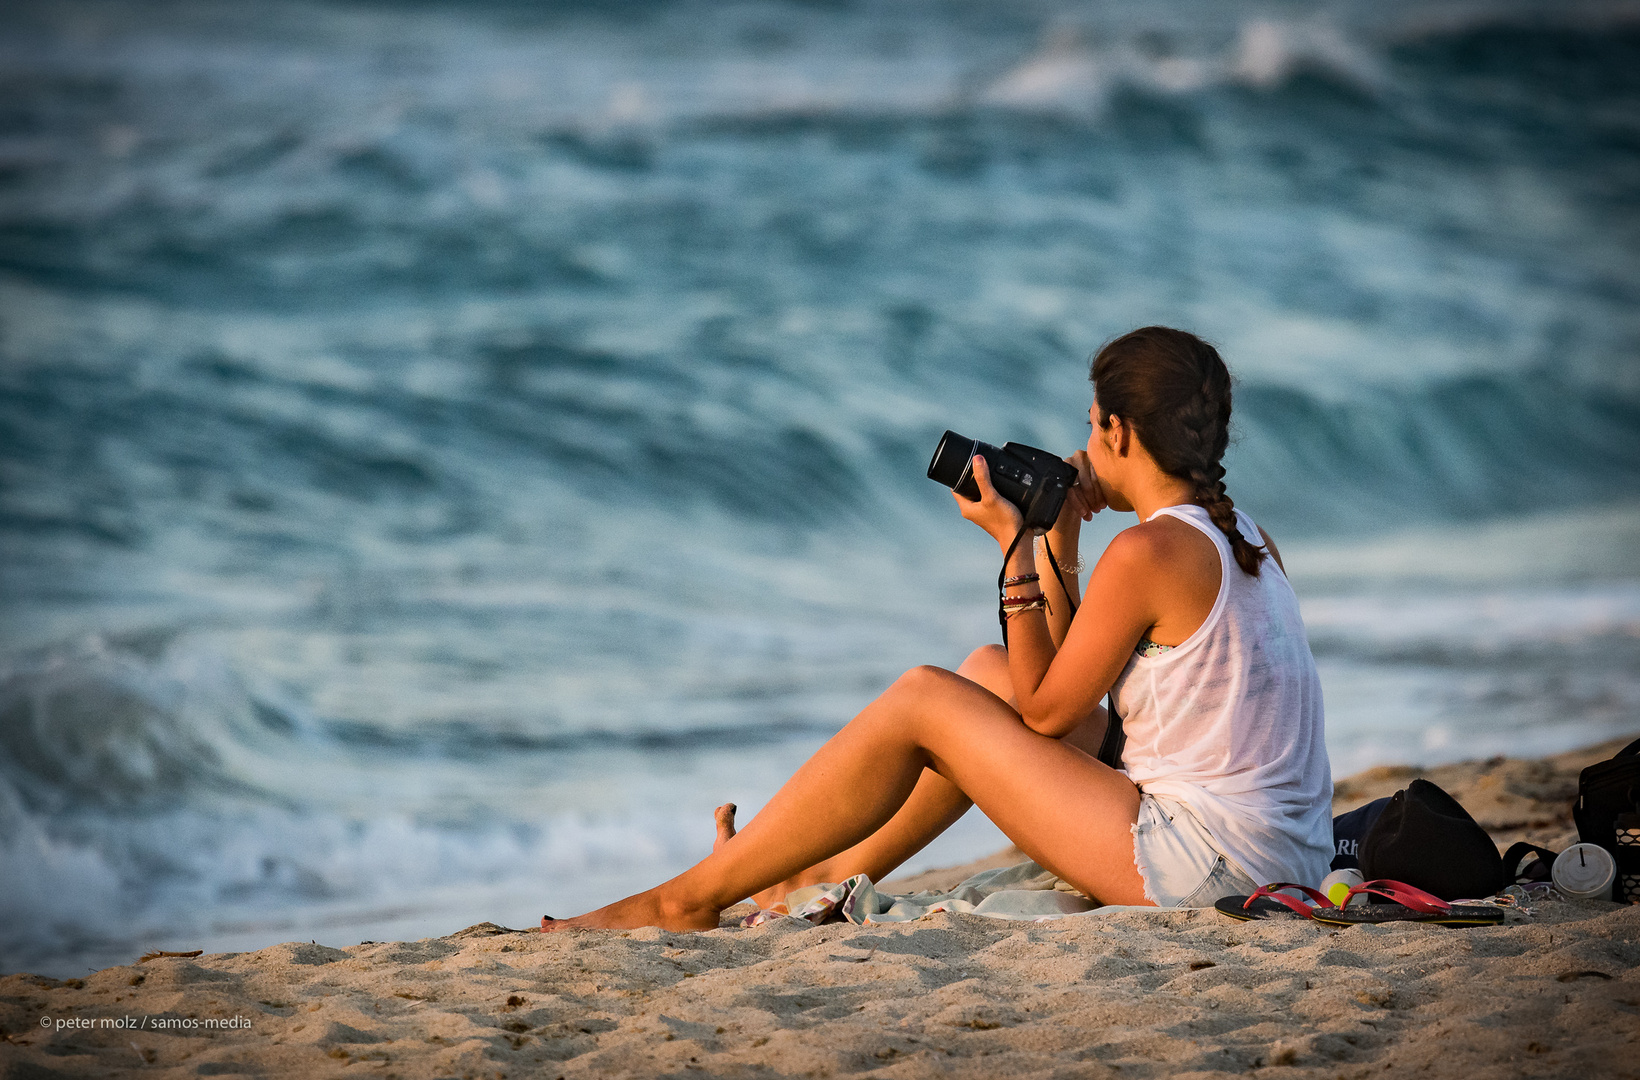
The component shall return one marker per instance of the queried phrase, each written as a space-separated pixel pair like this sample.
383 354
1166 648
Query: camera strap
1002 575
1059 577
1002 614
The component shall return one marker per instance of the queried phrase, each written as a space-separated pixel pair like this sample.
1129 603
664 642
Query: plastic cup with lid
1585 872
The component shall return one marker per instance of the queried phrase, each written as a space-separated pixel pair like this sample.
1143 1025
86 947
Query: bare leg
934 806
935 803
1065 810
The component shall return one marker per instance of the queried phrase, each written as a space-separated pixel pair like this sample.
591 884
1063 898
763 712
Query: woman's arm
1058 689
1160 579
1271 545
1053 698
1081 503
1059 609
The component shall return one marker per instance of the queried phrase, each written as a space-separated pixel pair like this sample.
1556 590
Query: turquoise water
446 450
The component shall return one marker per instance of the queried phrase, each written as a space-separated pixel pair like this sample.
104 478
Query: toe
725 824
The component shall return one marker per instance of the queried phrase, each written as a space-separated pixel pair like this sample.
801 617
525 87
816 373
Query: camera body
1032 479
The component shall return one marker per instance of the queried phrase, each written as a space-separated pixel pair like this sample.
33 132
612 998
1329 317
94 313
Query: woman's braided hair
1175 390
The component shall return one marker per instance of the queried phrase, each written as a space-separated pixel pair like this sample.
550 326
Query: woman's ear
1119 434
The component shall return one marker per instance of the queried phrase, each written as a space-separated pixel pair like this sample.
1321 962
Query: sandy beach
1554 991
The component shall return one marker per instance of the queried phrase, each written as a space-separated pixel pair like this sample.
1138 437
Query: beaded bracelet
1019 601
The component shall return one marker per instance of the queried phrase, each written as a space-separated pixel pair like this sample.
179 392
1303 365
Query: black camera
1033 480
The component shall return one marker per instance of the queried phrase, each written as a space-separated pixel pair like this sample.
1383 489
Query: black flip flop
1267 903
1411 904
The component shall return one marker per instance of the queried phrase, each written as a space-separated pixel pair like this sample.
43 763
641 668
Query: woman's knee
921 688
988 666
921 680
986 658
902 707
929 694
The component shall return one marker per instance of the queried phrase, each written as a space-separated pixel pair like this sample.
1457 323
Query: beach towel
1024 891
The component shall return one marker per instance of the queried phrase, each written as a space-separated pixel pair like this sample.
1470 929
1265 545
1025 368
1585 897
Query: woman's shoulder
1164 536
1163 542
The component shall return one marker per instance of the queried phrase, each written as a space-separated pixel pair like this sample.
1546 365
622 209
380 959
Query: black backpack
1604 790
1425 837
1607 813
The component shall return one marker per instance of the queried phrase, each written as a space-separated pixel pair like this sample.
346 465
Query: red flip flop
1411 904
1268 903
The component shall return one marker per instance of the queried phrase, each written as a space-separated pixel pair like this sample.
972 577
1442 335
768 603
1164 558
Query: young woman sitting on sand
1225 783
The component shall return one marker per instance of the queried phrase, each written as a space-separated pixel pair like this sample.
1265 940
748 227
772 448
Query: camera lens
951 457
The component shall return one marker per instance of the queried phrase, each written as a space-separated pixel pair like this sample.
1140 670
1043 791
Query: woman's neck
1158 491
1133 475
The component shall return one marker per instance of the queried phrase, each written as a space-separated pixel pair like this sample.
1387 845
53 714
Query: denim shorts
1178 860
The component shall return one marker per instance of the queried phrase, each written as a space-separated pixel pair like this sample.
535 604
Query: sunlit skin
1012 731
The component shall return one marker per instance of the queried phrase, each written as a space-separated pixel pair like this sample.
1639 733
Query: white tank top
1230 722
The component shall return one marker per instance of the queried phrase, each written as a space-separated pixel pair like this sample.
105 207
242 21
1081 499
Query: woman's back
1230 721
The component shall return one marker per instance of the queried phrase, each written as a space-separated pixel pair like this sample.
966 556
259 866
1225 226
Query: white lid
1584 868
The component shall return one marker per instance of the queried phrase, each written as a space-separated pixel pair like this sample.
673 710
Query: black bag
1606 791
1517 871
1425 838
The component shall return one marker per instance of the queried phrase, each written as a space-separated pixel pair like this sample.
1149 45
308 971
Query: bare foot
775 894
725 815
647 908
814 875
644 909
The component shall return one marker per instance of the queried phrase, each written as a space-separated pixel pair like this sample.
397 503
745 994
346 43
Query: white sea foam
1515 636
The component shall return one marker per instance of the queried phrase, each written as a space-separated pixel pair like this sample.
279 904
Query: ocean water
446 449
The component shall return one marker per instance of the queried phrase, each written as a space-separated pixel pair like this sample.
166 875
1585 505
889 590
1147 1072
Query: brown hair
1175 390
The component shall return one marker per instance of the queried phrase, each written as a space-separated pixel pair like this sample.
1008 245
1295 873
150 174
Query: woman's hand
991 511
1085 499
